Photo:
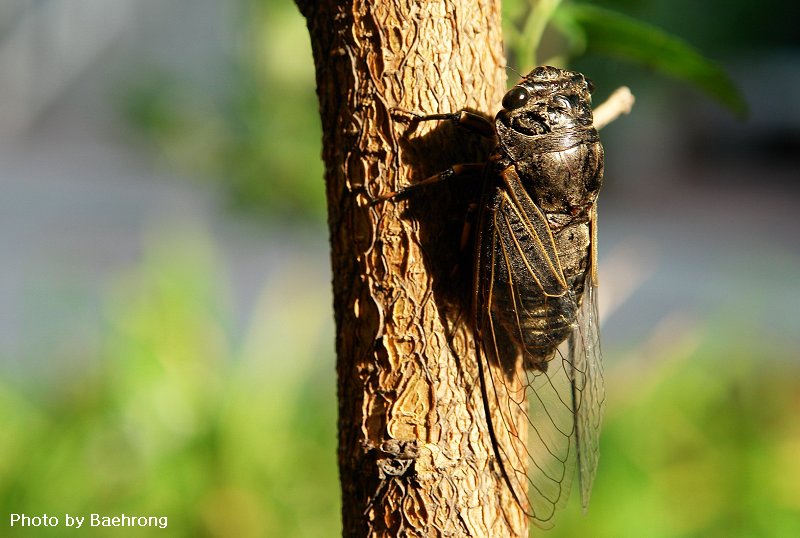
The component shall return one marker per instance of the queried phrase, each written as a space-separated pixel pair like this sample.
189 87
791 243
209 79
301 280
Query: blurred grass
700 440
225 438
236 437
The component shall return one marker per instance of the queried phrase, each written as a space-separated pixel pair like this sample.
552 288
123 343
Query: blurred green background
166 339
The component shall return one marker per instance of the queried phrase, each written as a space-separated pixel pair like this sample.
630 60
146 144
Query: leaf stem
618 103
532 31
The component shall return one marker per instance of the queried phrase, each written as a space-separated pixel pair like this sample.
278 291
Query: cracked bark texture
415 455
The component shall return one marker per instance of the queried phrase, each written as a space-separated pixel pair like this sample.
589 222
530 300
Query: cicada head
545 130
546 100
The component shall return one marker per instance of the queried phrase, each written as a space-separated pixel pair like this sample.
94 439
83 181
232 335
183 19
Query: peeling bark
415 455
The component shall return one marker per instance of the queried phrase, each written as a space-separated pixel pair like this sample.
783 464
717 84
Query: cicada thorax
549 168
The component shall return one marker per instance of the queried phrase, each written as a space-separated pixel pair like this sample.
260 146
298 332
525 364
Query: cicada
534 285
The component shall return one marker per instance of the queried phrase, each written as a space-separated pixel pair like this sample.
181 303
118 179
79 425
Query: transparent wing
546 422
534 421
584 356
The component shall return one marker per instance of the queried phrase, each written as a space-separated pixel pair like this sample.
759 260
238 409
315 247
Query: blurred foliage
225 438
236 436
699 440
720 27
608 32
260 138
587 29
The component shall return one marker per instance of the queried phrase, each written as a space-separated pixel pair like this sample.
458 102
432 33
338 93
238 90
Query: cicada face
548 99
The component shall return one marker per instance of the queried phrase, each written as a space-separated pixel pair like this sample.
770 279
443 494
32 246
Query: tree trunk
415 455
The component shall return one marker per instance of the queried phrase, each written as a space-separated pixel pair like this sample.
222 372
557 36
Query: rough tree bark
415 456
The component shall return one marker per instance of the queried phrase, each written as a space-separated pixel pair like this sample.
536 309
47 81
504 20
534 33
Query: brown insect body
535 289
534 302
548 168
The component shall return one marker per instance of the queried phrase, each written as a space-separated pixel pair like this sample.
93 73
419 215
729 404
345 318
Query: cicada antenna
514 71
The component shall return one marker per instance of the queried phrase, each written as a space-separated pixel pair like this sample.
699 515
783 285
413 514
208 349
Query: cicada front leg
470 121
457 170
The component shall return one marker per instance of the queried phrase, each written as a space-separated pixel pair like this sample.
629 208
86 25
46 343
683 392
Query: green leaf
612 33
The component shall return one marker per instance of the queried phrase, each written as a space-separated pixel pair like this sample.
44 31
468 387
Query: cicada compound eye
516 97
